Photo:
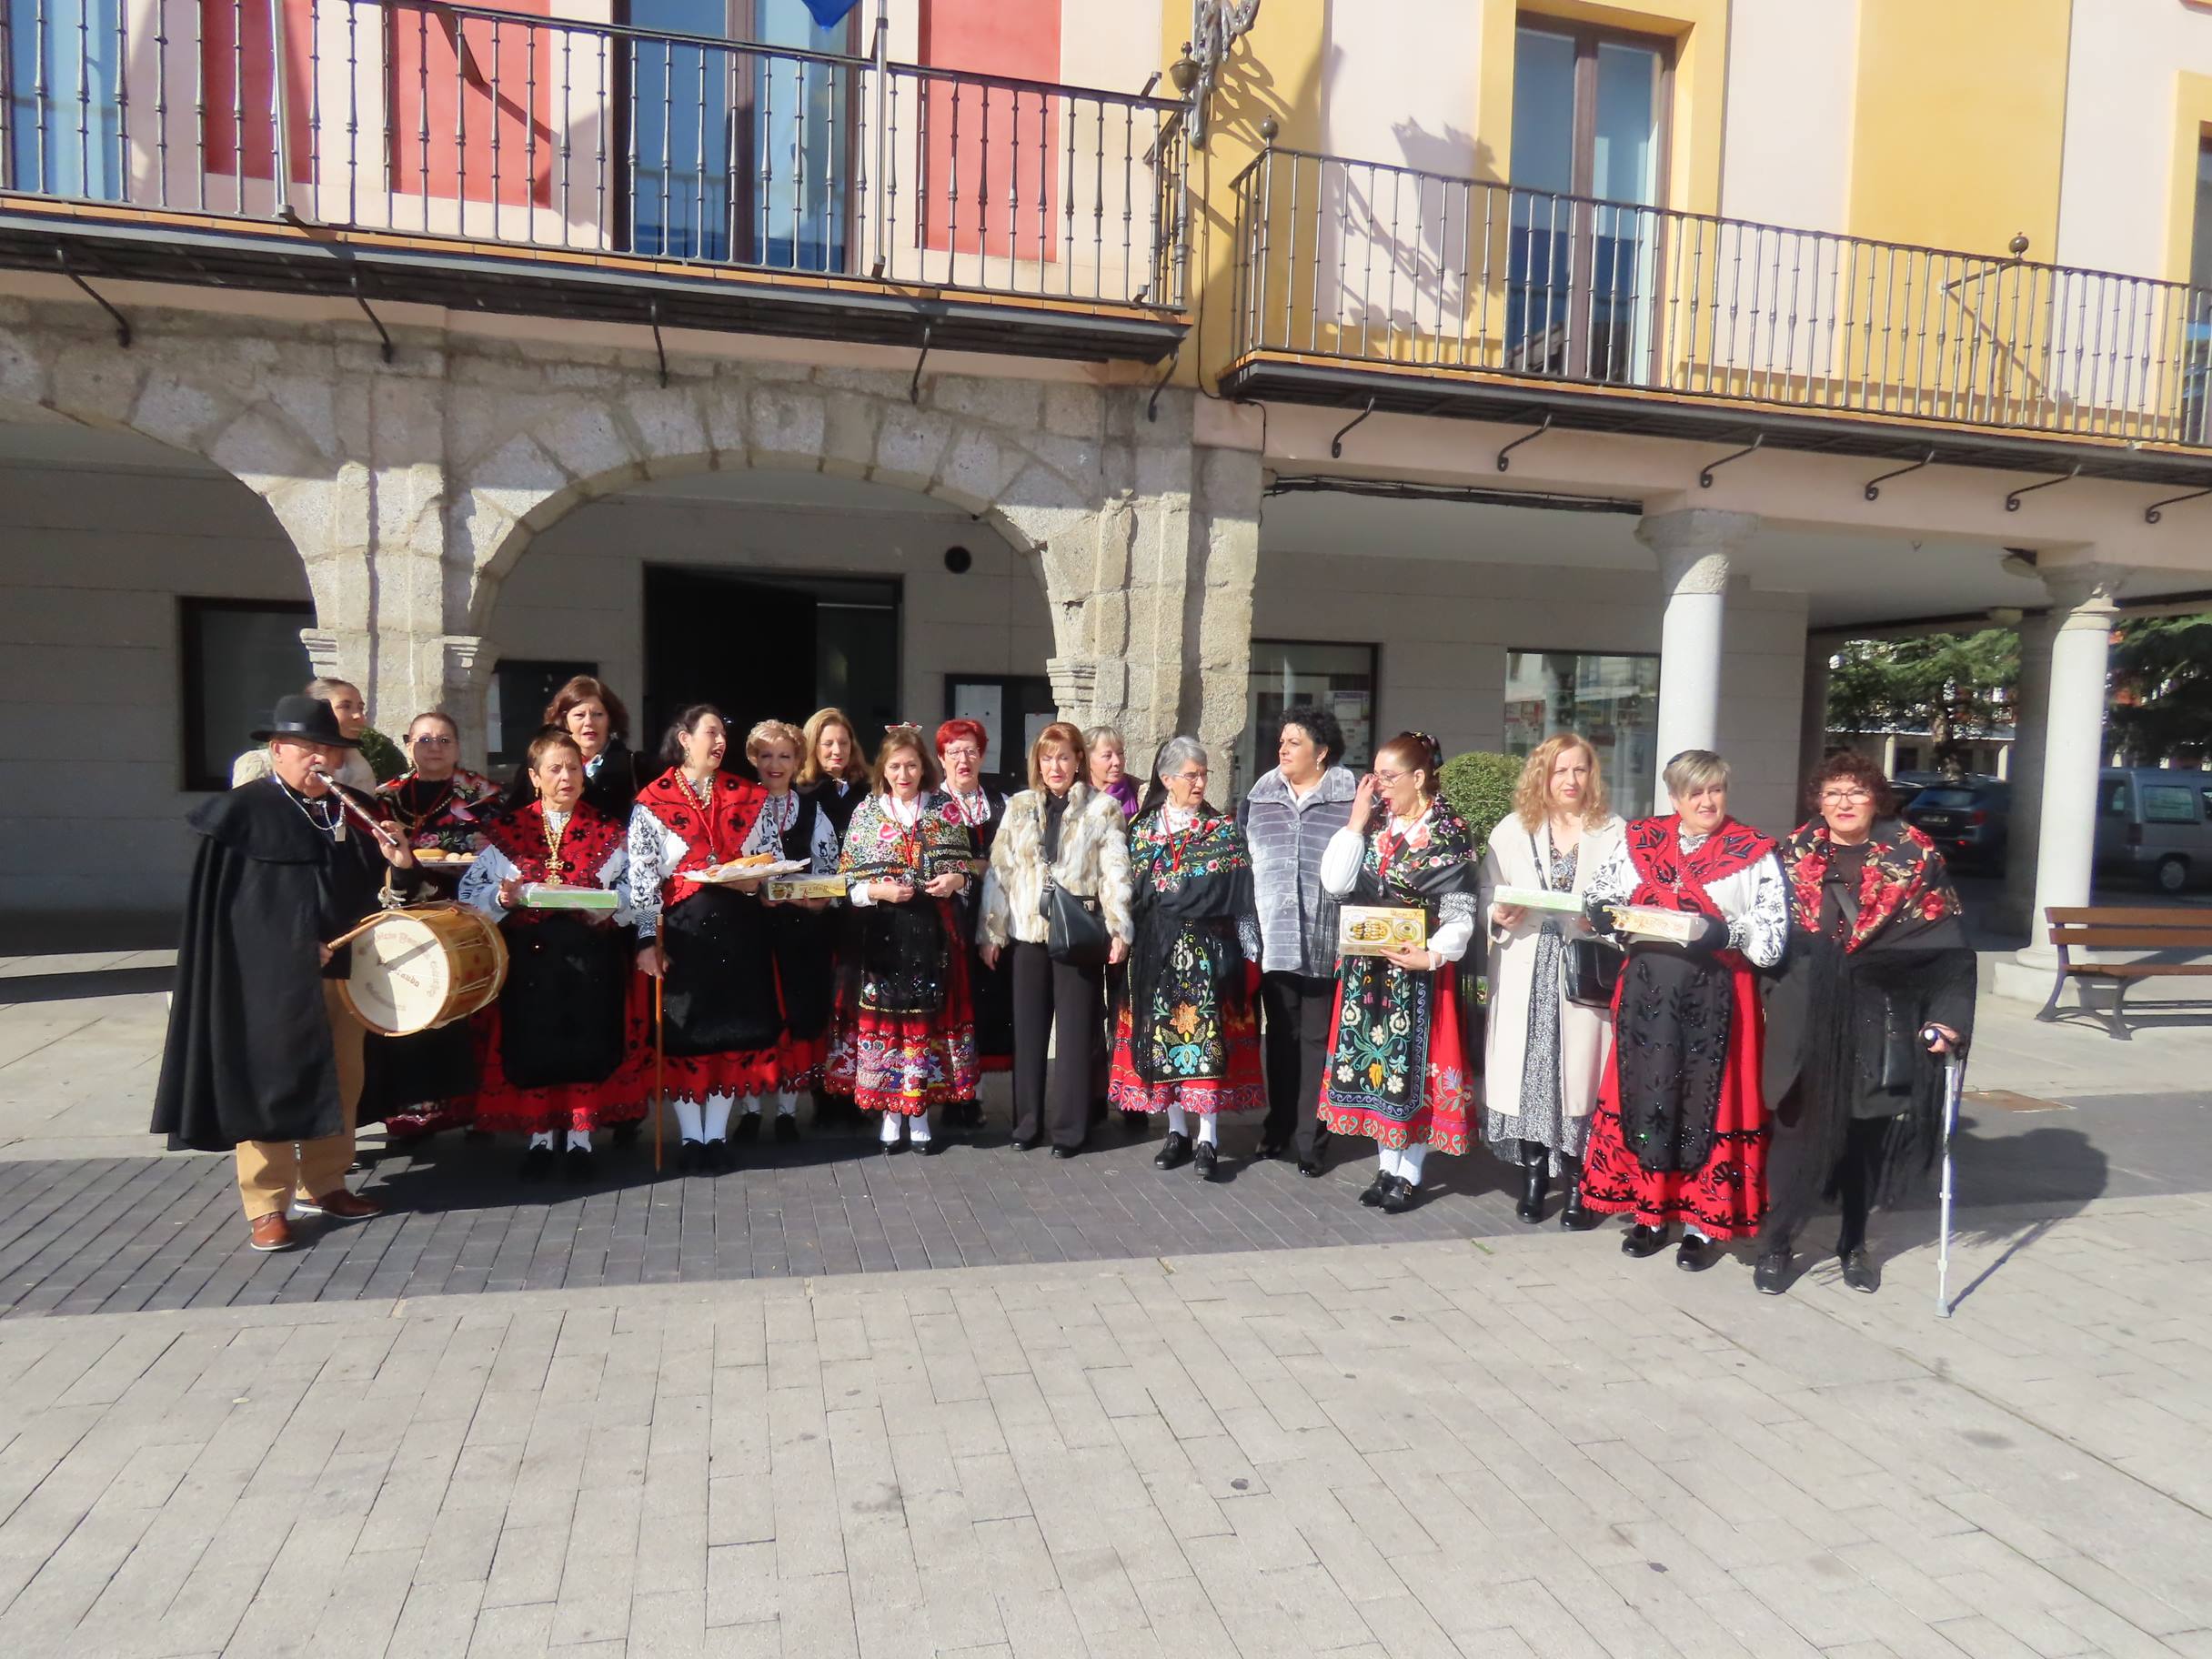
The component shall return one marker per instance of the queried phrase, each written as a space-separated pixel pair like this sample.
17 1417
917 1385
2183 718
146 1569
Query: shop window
237 658
520 689
1288 672
1613 701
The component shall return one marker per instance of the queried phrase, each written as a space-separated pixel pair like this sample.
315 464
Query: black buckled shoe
1860 1272
787 1126
1377 1190
536 1164
1771 1275
1174 1153
688 1157
748 1127
718 1157
1401 1197
1640 1241
929 1148
1203 1158
1694 1255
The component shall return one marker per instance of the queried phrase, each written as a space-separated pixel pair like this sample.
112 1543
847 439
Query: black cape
249 1055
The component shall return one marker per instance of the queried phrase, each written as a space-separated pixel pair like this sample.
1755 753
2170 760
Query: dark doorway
762 647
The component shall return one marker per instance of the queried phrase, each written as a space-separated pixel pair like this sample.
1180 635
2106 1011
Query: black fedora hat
308 718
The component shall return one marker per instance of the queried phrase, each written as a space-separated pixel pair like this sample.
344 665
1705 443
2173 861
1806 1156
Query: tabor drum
415 970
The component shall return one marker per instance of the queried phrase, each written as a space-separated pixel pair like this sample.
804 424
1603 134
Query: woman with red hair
961 746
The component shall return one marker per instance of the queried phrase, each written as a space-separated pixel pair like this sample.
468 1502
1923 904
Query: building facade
1481 367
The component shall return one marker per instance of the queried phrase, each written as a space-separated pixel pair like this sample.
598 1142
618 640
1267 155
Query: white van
2154 823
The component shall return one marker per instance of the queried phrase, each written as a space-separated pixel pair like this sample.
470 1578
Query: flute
367 823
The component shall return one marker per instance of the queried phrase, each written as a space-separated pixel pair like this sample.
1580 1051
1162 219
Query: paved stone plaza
1094 1410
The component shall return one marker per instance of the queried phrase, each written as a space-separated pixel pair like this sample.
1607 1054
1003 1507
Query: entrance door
760 646
1590 111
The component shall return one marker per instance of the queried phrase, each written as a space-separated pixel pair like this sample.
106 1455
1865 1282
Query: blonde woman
1545 1053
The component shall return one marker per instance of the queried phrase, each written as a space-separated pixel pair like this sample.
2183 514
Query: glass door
738 155
64 114
1590 111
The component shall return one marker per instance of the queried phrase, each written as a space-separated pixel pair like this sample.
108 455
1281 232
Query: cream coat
1093 861
1584 1032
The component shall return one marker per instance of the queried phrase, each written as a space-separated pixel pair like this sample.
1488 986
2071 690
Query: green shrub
383 755
1480 788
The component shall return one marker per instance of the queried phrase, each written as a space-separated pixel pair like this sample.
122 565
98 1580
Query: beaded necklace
556 831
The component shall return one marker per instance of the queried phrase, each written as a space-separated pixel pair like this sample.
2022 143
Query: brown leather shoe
341 1205
272 1232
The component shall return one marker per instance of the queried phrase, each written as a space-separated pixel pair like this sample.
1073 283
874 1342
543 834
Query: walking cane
1954 1085
660 1087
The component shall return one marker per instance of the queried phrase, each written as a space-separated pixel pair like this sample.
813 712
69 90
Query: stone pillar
1813 706
2083 604
1693 546
2031 705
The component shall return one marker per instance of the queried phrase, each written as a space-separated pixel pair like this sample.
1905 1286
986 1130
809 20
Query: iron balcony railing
545 133
1385 266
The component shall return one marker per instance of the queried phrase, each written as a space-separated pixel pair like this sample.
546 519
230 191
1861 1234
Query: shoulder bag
1593 965
1074 928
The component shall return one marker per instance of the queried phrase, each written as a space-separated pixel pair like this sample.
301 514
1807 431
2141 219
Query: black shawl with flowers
1196 923
899 964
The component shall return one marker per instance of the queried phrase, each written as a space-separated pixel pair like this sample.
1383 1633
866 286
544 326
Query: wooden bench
2167 931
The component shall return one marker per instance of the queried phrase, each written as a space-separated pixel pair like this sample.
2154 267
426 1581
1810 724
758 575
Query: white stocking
544 1139
787 1103
1409 1164
1209 1128
1386 1160
579 1140
1179 1121
717 1116
918 1128
889 1134
687 1119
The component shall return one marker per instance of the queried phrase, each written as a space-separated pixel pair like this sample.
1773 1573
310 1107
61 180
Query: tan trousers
270 1172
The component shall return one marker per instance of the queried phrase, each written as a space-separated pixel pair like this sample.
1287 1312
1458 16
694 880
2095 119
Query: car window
2168 803
2115 802
1944 798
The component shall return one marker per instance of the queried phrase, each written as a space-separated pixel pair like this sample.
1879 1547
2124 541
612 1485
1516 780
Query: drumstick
368 823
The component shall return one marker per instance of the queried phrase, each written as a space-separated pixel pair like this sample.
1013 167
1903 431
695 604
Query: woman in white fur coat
1061 832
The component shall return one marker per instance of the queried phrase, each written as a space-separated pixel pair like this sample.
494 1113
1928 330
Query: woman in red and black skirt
708 944
905 1032
1680 1130
559 1059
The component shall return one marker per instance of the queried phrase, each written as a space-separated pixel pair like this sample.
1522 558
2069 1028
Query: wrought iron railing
496 126
1387 266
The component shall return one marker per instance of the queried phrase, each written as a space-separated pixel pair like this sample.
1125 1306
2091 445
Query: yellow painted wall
1960 123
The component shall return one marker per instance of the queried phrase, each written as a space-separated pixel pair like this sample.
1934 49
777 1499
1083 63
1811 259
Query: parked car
1905 791
2152 822
1967 819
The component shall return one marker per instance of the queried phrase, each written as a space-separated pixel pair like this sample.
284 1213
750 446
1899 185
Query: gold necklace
554 838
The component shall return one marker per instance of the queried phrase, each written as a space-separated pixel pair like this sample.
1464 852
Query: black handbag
1074 928
1593 970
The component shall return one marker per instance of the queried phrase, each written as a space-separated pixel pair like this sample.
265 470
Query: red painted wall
455 106
993 155
236 65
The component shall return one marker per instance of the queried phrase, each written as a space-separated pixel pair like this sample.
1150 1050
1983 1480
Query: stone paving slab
1527 1445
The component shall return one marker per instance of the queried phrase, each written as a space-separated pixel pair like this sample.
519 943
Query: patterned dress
903 1039
1397 1072
1187 1034
1541 1116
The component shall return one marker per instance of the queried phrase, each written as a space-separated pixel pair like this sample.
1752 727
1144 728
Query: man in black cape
263 1056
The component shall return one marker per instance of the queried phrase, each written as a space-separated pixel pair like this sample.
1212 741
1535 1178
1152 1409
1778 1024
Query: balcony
1360 283
489 159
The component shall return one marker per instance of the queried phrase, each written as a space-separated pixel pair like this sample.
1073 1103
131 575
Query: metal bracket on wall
660 349
913 390
383 334
2151 515
123 323
1873 485
2012 502
1152 403
1526 437
1704 476
1336 444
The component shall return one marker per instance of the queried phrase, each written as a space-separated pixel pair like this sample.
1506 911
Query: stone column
1812 705
2031 705
2083 604
1694 547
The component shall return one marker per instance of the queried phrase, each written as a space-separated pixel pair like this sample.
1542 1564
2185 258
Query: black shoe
1203 1160
747 1127
1771 1275
1694 1255
578 1163
1269 1148
787 1126
1377 1190
1400 1198
688 1157
718 1157
1640 1241
929 1148
1535 1183
1026 1143
1064 1152
1309 1167
626 1132
1574 1216
1174 1152
1860 1272
1137 1122
536 1164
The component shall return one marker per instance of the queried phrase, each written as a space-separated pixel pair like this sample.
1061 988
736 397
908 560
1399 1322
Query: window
1612 700
515 711
468 106
2168 803
740 156
1287 672
2117 801
1590 112
2196 392
238 657
64 114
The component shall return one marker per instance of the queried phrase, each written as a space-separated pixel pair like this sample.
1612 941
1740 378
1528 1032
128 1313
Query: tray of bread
760 867
792 889
438 857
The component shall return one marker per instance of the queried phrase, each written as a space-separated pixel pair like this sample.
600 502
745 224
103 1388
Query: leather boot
1574 1216
1535 1181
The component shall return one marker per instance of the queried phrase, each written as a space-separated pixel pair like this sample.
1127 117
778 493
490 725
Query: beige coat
1584 1032
1093 861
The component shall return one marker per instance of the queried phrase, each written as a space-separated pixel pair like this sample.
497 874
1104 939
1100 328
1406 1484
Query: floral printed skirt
1364 1091
1241 1089
906 1062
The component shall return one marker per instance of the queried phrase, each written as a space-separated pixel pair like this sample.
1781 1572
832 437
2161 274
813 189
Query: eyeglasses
963 751
1382 777
431 740
1187 777
1845 798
